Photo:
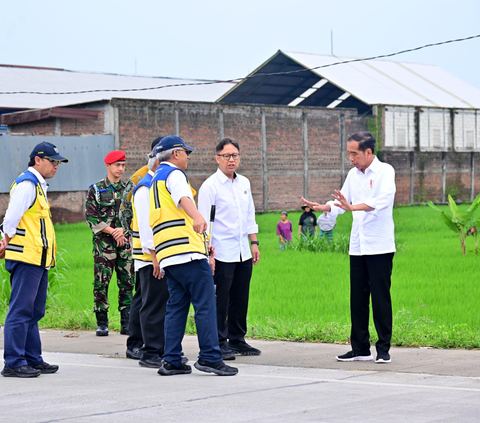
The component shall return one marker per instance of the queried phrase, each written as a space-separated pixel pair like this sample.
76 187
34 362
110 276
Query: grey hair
163 156
151 163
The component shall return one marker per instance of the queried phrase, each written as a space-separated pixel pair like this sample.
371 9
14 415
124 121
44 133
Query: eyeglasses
188 152
53 162
227 157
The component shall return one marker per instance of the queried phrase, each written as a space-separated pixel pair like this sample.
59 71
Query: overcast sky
228 39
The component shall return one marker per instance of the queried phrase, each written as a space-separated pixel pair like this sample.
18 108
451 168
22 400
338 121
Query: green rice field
303 295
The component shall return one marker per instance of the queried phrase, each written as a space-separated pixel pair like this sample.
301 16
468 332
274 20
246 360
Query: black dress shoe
22 371
134 354
227 353
242 348
102 330
153 362
46 368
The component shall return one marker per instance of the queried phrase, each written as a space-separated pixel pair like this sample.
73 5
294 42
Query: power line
237 80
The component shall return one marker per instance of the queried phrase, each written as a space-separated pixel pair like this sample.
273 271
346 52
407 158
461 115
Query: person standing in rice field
307 225
284 230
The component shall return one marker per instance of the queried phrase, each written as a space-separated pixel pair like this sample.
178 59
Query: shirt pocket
106 200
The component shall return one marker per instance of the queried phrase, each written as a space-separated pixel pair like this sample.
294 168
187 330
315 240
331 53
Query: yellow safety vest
173 232
34 240
137 251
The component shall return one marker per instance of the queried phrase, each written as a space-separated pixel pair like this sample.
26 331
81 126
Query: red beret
115 156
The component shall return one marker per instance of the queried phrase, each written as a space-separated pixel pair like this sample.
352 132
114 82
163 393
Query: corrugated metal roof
372 82
45 80
394 83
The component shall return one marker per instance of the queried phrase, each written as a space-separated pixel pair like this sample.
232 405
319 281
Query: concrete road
289 382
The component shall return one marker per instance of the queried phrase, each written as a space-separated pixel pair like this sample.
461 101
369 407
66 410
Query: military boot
102 323
124 319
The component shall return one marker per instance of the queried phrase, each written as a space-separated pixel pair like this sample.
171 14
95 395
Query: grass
302 295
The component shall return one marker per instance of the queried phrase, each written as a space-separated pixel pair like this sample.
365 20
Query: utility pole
331 40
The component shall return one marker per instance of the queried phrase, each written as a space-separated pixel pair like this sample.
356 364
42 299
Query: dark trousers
27 306
232 282
147 314
152 314
191 282
135 339
370 275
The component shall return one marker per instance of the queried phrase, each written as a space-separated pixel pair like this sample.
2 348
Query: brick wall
278 131
202 125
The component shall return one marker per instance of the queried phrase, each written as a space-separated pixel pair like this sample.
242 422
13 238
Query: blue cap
48 150
169 142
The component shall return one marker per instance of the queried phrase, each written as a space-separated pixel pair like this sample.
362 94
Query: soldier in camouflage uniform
109 243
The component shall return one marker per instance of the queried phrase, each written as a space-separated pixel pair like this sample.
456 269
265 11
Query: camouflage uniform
126 212
102 210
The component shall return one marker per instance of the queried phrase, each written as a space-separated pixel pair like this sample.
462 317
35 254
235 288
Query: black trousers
147 314
135 339
371 275
152 314
232 282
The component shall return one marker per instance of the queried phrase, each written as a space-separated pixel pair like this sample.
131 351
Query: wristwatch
254 243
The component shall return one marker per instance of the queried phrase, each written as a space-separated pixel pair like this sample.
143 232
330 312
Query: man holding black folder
235 225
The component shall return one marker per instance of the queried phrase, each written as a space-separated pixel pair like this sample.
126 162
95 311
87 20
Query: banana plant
464 224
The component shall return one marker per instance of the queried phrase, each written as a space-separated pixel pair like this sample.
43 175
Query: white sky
228 39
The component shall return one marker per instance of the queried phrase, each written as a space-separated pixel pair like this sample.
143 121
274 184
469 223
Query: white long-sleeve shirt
373 230
21 199
234 218
141 201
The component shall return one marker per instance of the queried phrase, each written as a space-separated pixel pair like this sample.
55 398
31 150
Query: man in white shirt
235 225
28 245
178 236
368 192
147 315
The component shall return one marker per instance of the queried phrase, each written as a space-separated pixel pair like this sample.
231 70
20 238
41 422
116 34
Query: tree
464 224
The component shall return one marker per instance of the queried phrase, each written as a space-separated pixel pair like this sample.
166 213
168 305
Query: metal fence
85 156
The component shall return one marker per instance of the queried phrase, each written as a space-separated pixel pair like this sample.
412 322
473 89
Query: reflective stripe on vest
173 232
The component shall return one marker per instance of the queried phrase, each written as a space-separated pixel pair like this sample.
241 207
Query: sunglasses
186 151
53 162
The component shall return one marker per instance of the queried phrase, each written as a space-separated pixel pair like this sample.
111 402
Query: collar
40 178
374 166
151 173
224 178
109 183
170 164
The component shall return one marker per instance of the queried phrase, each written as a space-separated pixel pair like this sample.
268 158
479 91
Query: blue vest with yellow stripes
34 240
137 251
173 232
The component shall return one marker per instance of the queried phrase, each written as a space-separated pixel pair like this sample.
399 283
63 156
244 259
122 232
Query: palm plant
464 224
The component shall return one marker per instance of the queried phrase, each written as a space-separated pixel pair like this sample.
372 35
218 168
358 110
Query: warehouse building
291 120
426 120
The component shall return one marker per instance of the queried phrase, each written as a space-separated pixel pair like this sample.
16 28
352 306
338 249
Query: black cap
155 142
47 150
